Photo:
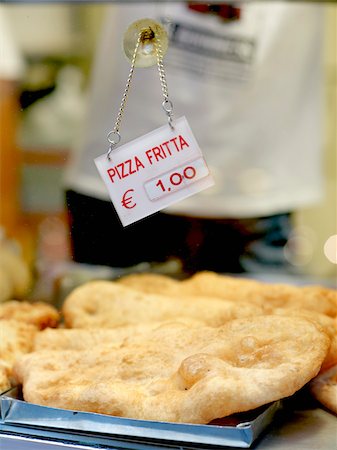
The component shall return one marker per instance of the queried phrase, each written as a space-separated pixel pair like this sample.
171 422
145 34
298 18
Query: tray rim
16 412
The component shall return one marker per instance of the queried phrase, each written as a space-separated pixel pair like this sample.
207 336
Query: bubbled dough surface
108 304
180 373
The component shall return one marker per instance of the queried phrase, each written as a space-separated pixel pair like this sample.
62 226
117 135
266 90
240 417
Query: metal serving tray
25 418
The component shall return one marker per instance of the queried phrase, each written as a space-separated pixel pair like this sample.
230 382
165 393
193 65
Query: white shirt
251 90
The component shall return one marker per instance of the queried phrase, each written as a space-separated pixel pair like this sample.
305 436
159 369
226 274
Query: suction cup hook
151 31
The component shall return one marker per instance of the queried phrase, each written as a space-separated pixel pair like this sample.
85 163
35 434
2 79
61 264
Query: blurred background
42 104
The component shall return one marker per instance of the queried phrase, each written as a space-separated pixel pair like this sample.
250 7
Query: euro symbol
127 201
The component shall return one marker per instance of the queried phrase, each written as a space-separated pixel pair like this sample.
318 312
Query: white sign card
154 171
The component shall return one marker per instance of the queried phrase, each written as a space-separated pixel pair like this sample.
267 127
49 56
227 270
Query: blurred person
249 80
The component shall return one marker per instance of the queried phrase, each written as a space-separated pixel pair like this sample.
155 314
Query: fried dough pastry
107 304
179 373
270 296
39 314
328 324
151 283
324 388
16 338
84 338
266 295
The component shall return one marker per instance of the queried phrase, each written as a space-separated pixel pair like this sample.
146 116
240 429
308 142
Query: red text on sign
166 149
177 178
153 155
125 168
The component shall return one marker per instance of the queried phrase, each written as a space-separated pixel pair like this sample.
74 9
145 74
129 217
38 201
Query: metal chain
115 131
167 104
114 136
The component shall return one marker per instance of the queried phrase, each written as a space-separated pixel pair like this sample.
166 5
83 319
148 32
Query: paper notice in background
154 171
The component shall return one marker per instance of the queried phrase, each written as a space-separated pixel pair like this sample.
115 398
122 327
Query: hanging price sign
164 166
154 171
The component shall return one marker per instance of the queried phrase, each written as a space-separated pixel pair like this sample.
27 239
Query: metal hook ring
167 106
114 134
109 151
170 120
